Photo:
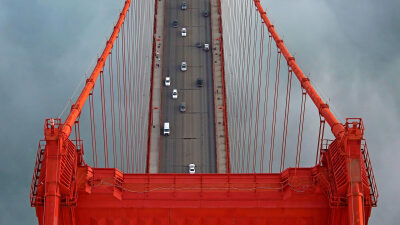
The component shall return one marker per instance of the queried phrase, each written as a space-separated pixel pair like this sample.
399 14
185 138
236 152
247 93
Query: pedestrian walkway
218 70
157 80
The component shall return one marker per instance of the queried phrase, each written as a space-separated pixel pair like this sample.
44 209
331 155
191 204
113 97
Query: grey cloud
351 50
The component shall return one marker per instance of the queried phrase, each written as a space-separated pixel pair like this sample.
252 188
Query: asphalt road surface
192 133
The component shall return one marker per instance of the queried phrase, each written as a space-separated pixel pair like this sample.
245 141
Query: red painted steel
349 184
336 127
77 107
355 189
287 198
56 185
295 196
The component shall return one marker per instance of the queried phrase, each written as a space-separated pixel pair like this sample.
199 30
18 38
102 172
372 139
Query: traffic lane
168 157
207 156
208 103
189 134
178 44
203 34
200 154
191 138
210 95
206 165
195 70
196 66
171 146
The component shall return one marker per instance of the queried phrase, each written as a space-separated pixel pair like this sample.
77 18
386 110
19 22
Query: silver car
183 66
184 32
167 81
206 47
192 168
175 94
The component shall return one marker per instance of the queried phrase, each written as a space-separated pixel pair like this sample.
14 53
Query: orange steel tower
339 189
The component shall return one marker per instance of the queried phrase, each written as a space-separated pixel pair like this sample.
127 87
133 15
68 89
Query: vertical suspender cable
112 109
125 100
275 107
286 119
119 96
129 90
253 68
264 128
93 129
301 125
259 80
104 119
320 137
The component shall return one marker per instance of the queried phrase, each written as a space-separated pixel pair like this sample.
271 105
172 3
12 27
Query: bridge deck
192 137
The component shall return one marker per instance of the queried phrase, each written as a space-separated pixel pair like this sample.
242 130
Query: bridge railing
33 194
374 194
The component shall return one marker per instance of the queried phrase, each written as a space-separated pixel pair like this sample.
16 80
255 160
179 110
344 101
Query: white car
191 168
183 66
206 47
166 129
183 32
167 81
175 94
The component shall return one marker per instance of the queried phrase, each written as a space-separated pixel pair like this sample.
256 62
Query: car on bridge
182 107
205 13
183 32
199 82
183 6
166 129
167 81
175 94
206 47
175 24
192 169
183 66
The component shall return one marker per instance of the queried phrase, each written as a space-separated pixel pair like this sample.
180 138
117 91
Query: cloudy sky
349 48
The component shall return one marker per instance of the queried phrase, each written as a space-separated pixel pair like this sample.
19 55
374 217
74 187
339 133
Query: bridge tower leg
352 145
52 190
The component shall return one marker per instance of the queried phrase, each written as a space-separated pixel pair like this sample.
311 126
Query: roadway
192 137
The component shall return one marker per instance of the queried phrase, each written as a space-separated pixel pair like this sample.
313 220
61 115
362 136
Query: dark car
205 13
175 24
198 44
182 107
199 82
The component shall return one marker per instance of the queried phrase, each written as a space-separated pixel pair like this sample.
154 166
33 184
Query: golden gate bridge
244 127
